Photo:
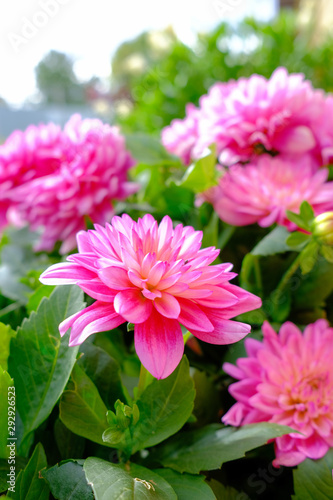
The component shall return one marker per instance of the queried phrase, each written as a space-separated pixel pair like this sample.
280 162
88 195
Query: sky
91 30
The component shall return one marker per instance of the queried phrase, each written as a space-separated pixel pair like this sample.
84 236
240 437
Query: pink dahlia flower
263 191
181 136
287 379
251 115
157 278
28 155
92 173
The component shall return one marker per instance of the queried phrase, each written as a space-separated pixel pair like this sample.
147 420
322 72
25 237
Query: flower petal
133 306
65 274
159 344
98 317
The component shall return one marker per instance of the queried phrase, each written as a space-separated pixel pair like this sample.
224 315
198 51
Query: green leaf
36 297
226 492
82 409
297 239
327 252
313 479
298 220
250 275
20 463
274 242
29 484
201 175
308 257
6 334
211 446
164 406
314 287
187 486
125 482
16 262
6 397
68 481
68 443
40 360
306 212
147 149
103 370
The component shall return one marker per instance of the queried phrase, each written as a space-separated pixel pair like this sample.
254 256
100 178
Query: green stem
10 308
145 378
286 278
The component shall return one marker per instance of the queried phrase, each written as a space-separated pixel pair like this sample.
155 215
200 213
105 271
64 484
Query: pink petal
159 344
167 305
225 332
133 306
65 274
115 277
98 317
193 317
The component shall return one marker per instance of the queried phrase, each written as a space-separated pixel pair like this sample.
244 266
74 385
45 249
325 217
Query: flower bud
322 228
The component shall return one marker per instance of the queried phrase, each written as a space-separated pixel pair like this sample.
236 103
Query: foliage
161 90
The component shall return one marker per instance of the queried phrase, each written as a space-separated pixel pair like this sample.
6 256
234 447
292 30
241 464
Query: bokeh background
139 63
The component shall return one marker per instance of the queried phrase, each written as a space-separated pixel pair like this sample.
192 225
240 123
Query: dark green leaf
68 481
226 492
274 242
6 334
82 409
103 371
211 446
314 287
250 275
40 360
164 406
29 484
20 463
313 479
187 486
68 443
5 397
125 482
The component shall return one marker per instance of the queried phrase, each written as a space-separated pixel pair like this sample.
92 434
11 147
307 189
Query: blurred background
138 63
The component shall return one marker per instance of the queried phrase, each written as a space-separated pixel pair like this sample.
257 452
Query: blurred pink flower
263 191
287 379
92 172
155 277
283 114
181 136
28 155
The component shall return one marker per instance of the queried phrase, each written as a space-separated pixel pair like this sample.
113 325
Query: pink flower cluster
271 137
282 115
52 179
287 379
264 190
157 278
